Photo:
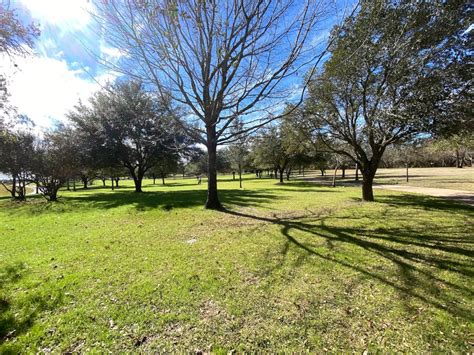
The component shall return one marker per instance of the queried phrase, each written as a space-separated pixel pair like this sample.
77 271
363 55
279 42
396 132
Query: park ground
292 267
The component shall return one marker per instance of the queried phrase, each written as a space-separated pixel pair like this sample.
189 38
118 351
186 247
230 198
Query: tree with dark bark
16 154
220 59
167 164
374 90
130 127
270 149
51 164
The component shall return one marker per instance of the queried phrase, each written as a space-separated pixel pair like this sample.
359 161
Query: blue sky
46 85
49 83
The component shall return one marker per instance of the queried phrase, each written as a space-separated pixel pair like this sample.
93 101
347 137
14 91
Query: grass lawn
443 178
291 267
3 191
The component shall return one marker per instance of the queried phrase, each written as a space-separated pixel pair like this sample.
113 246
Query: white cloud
45 88
111 53
67 14
320 37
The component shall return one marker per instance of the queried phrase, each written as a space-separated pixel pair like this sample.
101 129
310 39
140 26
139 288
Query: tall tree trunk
137 180
212 202
281 175
84 181
162 179
21 190
154 179
343 172
367 189
367 183
138 184
13 190
240 177
334 176
53 196
357 172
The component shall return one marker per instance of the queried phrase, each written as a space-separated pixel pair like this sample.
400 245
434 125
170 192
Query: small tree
270 151
16 154
167 164
239 149
51 165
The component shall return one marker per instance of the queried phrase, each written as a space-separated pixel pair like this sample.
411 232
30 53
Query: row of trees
396 69
122 131
90 150
209 73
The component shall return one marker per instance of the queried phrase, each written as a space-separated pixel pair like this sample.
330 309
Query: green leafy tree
126 126
16 154
52 165
374 90
238 150
270 150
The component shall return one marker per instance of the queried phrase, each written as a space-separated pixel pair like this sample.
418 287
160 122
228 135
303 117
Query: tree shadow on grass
434 272
18 316
425 202
150 200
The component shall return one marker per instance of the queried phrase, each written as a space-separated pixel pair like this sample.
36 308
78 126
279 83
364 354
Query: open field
444 178
291 267
3 192
30 190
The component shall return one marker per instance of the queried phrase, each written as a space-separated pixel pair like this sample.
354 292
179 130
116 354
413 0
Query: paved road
458 195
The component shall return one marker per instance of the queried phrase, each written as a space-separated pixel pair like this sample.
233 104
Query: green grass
289 267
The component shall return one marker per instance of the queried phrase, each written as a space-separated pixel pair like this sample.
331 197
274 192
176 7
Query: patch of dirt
210 310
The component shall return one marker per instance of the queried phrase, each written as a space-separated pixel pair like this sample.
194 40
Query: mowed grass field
3 191
443 178
293 267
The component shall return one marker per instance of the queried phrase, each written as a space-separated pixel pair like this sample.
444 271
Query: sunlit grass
292 267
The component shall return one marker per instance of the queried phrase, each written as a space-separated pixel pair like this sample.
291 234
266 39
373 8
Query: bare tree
15 37
220 59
